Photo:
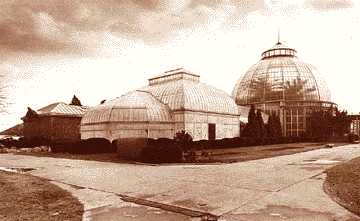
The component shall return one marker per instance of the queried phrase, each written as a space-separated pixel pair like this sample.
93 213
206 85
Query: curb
177 209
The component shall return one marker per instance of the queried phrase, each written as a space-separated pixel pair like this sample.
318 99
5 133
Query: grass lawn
25 197
217 155
343 184
102 157
265 151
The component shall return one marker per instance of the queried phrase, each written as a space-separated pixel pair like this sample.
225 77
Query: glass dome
280 76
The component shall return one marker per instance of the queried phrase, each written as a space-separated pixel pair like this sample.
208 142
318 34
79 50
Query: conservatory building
283 84
174 101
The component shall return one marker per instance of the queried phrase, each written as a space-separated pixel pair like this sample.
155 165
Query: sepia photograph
179 110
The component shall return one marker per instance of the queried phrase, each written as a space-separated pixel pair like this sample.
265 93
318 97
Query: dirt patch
343 184
25 197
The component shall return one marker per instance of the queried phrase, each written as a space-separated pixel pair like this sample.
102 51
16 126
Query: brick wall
59 129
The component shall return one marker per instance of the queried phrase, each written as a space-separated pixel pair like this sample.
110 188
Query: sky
51 50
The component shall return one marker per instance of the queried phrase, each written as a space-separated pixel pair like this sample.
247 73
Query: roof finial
278 41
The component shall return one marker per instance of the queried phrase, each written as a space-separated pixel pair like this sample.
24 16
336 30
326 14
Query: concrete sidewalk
286 187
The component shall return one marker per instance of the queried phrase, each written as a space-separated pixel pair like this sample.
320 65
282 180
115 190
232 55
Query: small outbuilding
55 123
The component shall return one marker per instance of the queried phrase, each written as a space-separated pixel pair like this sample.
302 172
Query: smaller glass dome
279 50
135 106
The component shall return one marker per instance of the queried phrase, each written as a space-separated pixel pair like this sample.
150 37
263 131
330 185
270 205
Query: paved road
280 188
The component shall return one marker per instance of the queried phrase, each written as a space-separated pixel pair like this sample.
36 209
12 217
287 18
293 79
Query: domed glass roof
135 106
280 76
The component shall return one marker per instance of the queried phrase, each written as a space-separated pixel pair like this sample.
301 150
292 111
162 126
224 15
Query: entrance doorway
212 131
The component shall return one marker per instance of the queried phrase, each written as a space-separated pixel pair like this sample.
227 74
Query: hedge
161 150
90 146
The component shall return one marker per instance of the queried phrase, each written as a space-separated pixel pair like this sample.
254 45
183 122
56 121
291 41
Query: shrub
183 140
11 142
352 137
59 148
161 151
131 148
200 144
36 141
95 145
90 146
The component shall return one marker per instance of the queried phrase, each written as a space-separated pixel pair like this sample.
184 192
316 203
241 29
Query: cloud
158 21
329 4
27 30
66 26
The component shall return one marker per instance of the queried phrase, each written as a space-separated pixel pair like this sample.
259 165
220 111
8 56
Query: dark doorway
212 131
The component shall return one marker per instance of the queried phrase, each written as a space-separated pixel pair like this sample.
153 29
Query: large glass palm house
283 84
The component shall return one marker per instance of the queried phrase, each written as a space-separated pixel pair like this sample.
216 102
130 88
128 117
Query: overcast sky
51 50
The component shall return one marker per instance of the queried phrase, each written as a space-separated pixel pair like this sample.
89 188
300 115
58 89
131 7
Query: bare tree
3 100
